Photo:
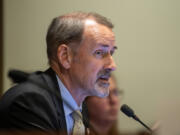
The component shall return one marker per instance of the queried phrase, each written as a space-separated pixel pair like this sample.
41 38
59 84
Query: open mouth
104 78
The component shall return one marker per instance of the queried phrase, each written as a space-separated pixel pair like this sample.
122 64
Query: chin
101 91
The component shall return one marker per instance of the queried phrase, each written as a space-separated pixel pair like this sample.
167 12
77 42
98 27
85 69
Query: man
79 47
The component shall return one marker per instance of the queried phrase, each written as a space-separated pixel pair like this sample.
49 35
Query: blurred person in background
103 112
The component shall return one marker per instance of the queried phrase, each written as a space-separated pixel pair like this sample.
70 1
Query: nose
110 63
113 99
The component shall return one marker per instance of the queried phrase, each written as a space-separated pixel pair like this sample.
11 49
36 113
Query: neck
76 93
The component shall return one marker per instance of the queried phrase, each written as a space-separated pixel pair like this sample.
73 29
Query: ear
64 56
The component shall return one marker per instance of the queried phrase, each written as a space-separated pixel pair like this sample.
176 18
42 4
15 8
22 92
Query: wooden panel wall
1 46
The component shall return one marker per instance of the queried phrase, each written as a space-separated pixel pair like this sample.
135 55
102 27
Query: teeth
104 77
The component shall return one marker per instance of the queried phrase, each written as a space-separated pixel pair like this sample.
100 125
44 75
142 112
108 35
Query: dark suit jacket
28 106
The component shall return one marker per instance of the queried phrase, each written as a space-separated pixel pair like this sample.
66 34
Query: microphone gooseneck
130 113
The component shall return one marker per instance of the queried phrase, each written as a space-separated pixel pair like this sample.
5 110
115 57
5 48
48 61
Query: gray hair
68 29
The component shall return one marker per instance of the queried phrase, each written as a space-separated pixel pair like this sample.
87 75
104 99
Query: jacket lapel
51 81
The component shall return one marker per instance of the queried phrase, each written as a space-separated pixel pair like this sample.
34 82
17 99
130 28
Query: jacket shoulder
29 105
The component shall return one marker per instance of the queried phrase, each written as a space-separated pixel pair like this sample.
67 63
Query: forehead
98 33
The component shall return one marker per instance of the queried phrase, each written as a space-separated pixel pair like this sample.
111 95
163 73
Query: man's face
93 62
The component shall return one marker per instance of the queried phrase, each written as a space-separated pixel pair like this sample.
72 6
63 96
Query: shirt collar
69 103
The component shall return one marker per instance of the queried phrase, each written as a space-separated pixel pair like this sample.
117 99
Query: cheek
98 103
87 63
102 105
93 66
88 68
91 70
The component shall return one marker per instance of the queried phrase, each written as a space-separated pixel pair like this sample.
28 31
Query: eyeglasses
116 92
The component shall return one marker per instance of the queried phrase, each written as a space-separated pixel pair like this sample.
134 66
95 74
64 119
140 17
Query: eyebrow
106 46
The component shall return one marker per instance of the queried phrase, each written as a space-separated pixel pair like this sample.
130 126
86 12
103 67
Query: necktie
78 128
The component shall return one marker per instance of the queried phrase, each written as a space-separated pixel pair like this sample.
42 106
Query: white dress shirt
69 105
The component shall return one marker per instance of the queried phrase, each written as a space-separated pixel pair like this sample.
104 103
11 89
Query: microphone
130 113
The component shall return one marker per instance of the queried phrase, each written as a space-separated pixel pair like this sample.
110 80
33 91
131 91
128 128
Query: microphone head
127 110
18 76
130 113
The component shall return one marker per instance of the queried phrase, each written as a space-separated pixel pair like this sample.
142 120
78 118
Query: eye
99 52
